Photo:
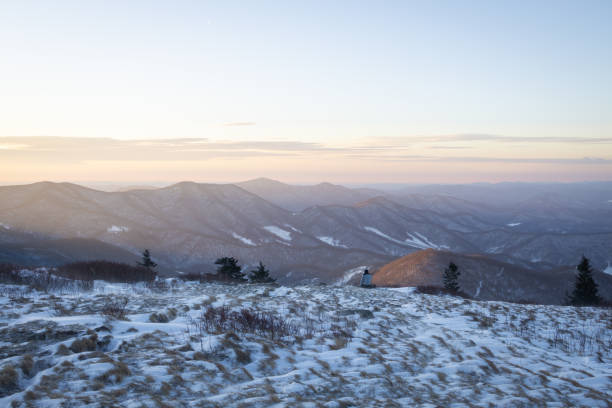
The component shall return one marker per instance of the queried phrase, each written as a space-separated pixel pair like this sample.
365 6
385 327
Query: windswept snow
5 226
332 241
243 239
514 224
608 270
417 240
347 345
279 232
117 229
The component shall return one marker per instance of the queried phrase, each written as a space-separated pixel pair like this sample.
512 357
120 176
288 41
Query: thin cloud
55 149
449 147
477 137
409 158
106 149
240 124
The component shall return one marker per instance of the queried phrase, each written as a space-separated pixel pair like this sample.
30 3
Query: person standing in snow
366 280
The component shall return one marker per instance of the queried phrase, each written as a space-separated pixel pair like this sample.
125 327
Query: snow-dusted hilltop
122 345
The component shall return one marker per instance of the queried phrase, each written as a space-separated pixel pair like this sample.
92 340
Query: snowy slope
348 347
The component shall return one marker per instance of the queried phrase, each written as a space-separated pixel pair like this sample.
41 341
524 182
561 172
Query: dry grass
166 317
84 344
8 380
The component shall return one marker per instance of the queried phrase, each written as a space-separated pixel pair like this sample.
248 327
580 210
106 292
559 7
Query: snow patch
332 242
293 228
279 232
514 224
405 290
417 240
243 239
478 289
608 270
117 229
348 275
5 226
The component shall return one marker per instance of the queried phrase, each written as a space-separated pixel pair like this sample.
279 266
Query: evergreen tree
261 275
229 269
585 288
451 276
147 262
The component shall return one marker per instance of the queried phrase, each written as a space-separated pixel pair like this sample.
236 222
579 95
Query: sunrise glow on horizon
346 92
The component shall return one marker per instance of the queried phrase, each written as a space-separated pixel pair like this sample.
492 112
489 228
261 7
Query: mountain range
304 233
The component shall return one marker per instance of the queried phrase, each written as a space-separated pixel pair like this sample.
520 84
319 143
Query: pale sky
343 91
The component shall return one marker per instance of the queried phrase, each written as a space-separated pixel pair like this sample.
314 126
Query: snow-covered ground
342 346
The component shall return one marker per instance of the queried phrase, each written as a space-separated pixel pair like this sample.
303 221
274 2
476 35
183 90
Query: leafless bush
84 344
584 340
438 290
169 315
223 319
158 285
8 381
116 308
107 271
41 279
191 277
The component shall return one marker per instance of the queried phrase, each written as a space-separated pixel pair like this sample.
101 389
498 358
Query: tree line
228 270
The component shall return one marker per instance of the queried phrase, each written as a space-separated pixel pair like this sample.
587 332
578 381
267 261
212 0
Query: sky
344 91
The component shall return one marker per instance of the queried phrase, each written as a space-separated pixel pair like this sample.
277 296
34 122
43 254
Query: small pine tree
451 276
585 288
261 275
229 269
147 262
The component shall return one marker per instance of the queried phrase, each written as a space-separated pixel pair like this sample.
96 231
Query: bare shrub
9 274
8 381
116 308
583 340
27 365
84 344
41 279
107 271
116 374
157 285
62 350
169 315
190 277
438 290
222 319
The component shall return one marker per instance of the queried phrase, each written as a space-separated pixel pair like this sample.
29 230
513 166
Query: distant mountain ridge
298 198
188 225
